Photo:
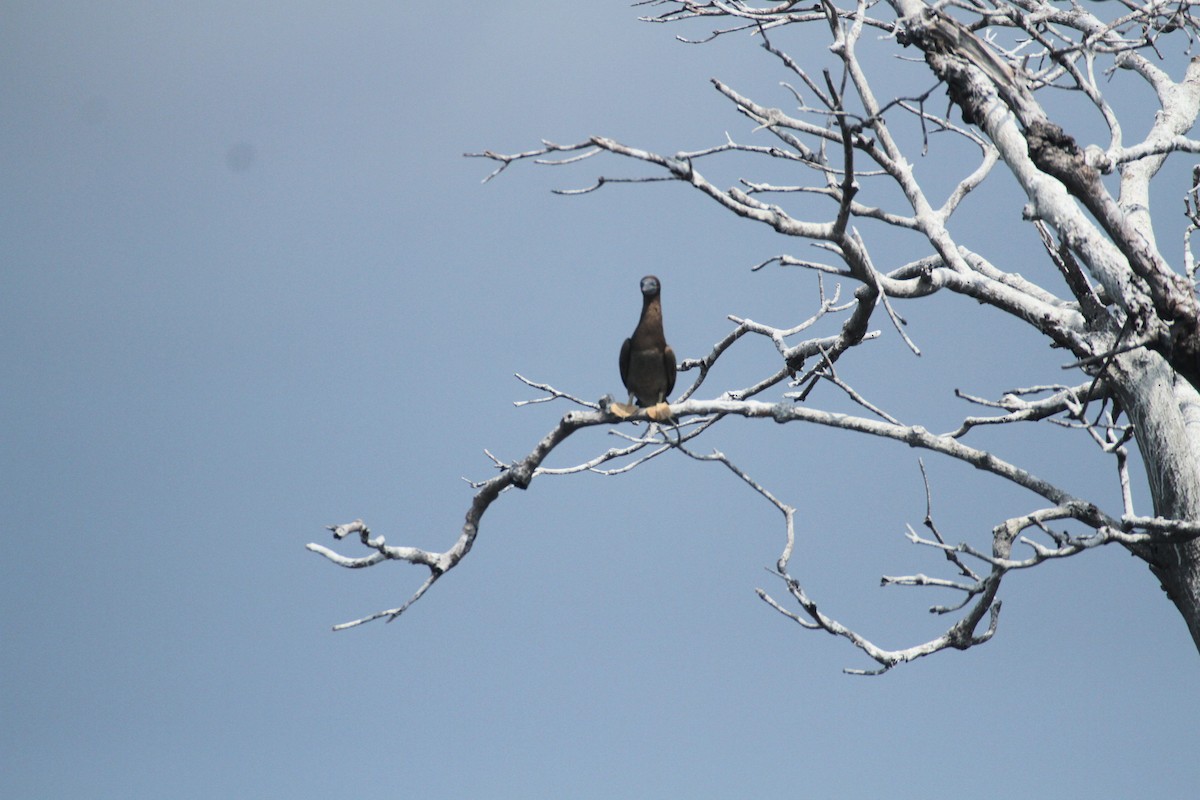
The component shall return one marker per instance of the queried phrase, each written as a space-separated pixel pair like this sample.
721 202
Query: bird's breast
647 379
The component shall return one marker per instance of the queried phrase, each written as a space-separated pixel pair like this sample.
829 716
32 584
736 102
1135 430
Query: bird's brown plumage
647 361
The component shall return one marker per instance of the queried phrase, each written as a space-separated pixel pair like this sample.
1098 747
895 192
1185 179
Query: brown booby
647 361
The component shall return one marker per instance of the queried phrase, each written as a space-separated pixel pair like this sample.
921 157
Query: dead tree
1128 316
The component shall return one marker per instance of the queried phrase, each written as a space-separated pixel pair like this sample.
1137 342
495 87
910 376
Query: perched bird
647 361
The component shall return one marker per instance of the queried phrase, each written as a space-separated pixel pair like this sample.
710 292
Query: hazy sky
251 288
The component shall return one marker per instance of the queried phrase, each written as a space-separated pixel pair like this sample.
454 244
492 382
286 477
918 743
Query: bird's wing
669 371
625 350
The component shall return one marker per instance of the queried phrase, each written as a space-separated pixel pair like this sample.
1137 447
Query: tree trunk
1165 411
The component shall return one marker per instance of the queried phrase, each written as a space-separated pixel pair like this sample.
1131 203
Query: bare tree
1129 318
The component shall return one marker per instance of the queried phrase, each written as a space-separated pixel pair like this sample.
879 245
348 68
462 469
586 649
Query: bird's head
650 287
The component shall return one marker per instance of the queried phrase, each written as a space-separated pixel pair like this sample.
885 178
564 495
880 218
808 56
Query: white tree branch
1002 63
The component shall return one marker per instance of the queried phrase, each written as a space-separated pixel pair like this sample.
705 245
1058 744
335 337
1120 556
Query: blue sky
252 288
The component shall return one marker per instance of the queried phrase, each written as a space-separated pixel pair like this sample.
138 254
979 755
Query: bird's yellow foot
659 412
622 410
